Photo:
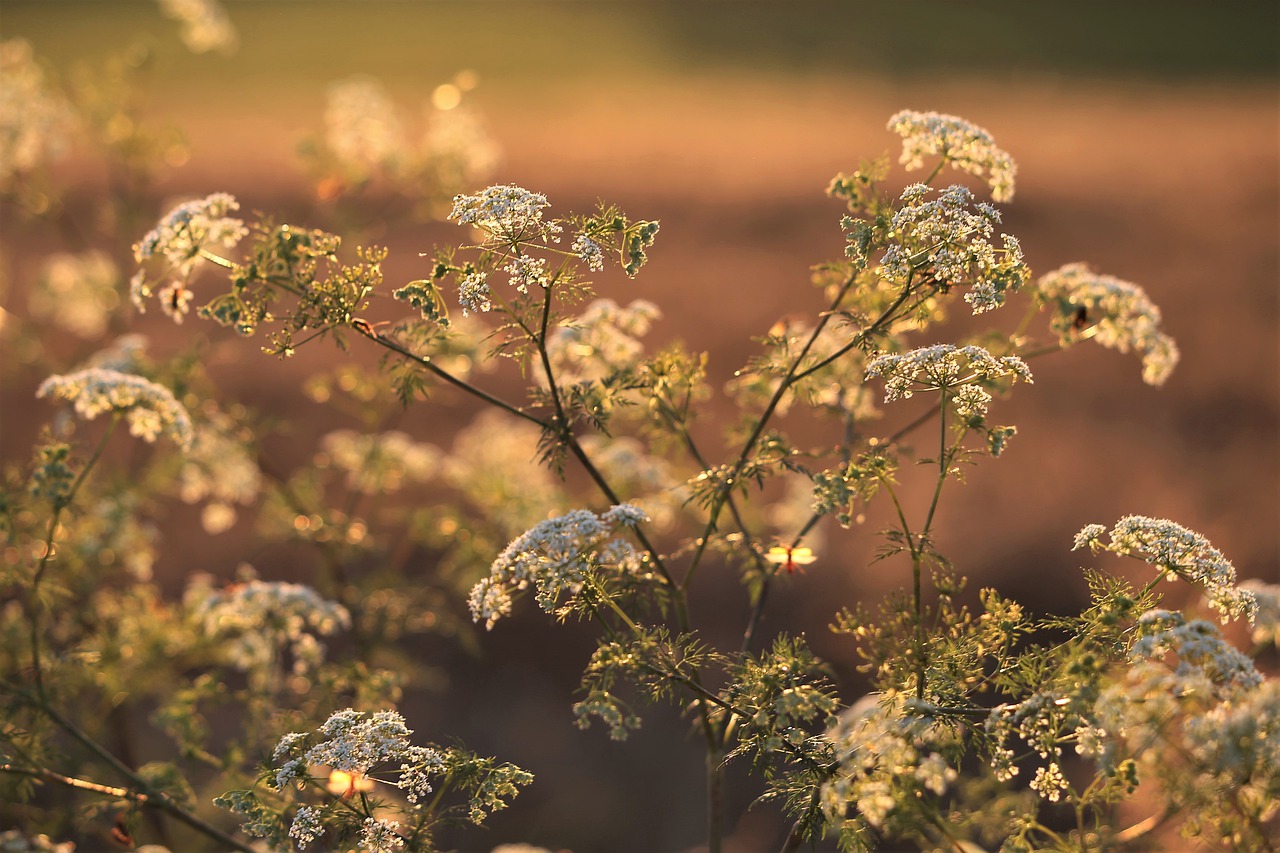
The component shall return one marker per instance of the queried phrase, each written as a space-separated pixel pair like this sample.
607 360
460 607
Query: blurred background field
1148 143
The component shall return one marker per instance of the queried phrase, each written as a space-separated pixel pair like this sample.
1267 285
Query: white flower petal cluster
362 744
1178 553
380 836
381 463
526 272
964 145
258 619
150 409
220 469
507 212
948 238
1211 715
885 761
175 246
76 292
35 123
556 557
950 368
588 251
601 340
363 130
1045 722
1117 313
306 826
1198 646
205 25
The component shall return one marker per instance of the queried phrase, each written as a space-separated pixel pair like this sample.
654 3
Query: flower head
1177 552
1115 312
176 247
508 212
557 557
947 238
960 143
948 368
150 409
257 619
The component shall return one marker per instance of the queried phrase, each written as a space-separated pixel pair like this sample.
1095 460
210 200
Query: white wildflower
257 620
601 340
960 143
556 557
220 469
947 239
380 836
1199 648
1266 620
150 409
176 246
509 213
945 367
884 760
1177 552
588 251
527 272
1117 313
306 826
473 292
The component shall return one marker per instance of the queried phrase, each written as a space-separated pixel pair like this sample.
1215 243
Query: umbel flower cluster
150 409
257 621
561 558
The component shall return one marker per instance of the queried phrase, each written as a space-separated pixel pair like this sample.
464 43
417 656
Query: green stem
33 597
142 793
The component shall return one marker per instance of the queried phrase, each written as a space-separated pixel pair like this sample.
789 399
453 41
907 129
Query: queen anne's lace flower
884 759
1177 552
1266 621
176 245
1198 646
150 409
257 619
946 367
380 836
508 212
962 144
947 238
1118 314
556 557
588 251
